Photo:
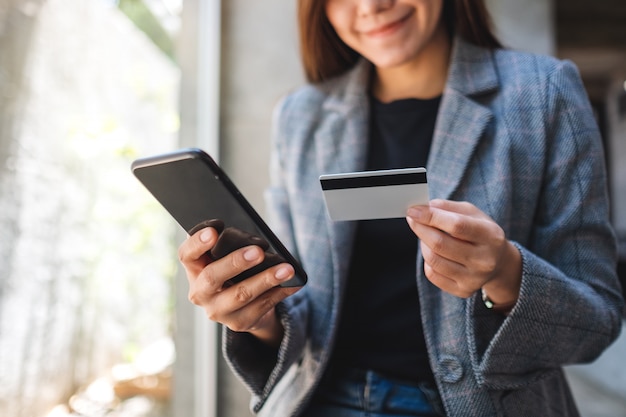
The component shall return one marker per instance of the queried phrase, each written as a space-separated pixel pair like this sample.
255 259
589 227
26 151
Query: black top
380 326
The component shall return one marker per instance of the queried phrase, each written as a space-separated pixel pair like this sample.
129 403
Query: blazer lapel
342 138
461 123
341 146
462 119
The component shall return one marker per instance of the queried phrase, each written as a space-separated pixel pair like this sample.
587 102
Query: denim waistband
358 392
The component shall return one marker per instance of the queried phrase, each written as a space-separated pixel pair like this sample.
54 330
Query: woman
514 273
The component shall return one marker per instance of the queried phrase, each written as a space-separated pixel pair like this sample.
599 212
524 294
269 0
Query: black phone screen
191 186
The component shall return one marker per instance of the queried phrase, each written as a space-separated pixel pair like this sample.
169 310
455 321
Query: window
86 304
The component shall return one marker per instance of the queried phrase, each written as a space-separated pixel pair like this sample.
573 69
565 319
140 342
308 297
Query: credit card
368 195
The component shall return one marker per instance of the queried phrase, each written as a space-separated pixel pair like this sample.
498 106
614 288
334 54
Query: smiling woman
432 313
325 54
407 42
386 33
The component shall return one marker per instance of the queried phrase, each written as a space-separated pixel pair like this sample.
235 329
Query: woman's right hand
247 306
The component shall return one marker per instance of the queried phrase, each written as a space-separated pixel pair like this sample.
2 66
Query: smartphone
193 188
380 194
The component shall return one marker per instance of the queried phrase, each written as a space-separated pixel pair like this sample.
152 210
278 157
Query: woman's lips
388 28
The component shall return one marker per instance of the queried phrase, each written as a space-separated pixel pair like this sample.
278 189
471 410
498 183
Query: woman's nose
366 7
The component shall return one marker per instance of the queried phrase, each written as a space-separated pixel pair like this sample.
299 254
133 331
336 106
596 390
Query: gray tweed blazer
515 136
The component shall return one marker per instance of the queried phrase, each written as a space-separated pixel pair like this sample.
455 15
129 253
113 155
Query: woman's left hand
464 250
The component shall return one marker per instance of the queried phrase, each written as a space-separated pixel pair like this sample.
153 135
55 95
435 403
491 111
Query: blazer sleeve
570 305
257 366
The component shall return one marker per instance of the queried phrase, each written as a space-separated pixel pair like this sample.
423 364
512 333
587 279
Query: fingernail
415 212
283 272
206 235
251 254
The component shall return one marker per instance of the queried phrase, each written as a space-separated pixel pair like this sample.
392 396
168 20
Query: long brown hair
324 55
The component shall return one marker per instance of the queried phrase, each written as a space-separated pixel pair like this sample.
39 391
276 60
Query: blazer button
450 369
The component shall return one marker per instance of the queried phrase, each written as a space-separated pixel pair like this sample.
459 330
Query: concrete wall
616 118
259 64
526 25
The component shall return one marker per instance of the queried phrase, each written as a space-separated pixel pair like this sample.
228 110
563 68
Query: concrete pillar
616 115
259 64
196 338
526 24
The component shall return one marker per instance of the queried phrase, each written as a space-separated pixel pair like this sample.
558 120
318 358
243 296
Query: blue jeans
358 393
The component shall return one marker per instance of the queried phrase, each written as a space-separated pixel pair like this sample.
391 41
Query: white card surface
371 195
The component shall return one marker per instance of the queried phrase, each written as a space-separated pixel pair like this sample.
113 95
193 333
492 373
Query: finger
442 282
458 288
192 252
461 226
441 264
267 302
248 290
249 317
449 276
460 207
214 276
242 305
443 244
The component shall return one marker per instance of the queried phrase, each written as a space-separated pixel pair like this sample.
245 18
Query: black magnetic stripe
373 181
